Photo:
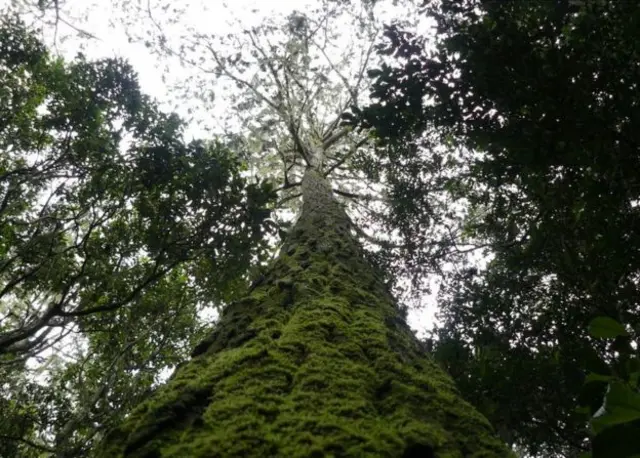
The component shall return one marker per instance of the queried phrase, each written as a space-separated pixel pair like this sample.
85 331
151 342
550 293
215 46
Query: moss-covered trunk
315 361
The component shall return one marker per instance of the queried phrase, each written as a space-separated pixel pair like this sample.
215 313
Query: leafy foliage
616 420
115 232
538 101
286 80
507 143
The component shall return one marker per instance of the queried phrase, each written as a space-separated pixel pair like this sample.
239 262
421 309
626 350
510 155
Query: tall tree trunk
315 361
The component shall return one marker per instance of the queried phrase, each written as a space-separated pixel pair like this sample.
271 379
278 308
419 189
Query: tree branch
372 239
356 196
288 198
40 447
223 70
132 295
345 158
326 143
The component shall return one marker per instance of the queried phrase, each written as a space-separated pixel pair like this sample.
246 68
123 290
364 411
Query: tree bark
315 361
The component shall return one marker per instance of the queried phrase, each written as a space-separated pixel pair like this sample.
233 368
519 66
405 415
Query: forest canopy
539 102
488 159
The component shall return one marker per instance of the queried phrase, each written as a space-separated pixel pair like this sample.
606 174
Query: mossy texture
314 362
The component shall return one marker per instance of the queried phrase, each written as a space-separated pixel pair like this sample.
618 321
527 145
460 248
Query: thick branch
335 137
356 196
40 447
288 185
345 158
116 305
9 339
383 243
288 198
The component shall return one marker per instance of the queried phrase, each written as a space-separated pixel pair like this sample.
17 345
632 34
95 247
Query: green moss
316 361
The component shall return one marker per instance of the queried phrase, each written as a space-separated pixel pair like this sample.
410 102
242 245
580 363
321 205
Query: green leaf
604 327
618 441
597 378
621 405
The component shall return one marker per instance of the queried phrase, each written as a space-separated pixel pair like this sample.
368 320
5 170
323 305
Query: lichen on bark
315 361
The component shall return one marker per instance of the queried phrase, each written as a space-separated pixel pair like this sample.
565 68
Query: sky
112 31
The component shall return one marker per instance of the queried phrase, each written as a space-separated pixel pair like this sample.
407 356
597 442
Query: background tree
538 102
113 228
